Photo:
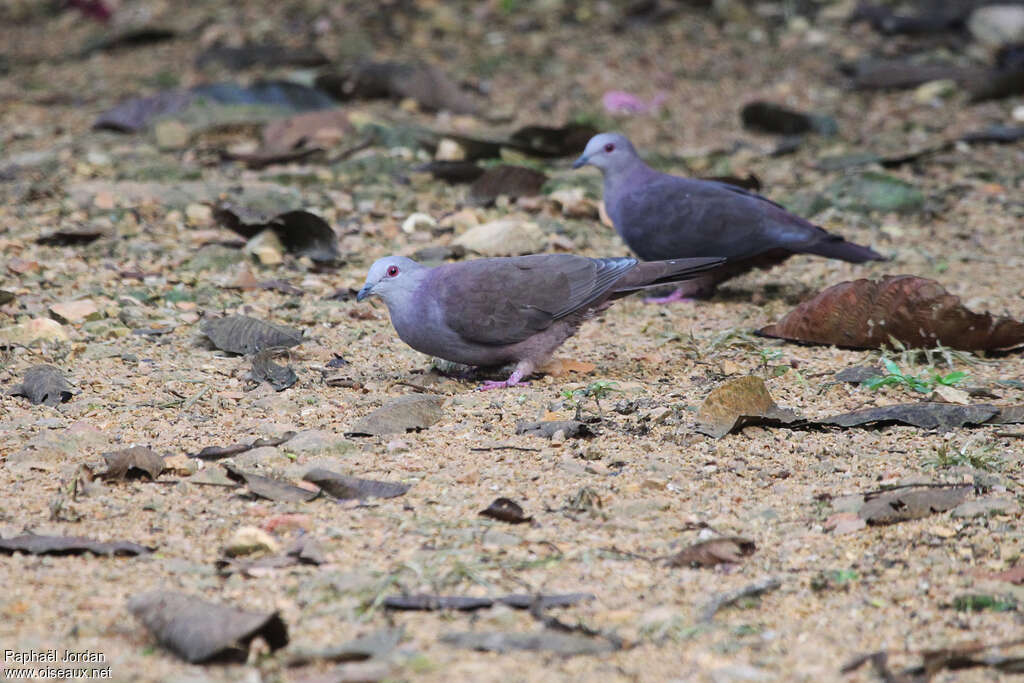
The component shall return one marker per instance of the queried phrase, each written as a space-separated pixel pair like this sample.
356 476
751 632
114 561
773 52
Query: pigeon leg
515 379
675 296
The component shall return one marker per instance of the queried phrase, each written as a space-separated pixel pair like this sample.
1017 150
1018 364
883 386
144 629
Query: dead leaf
506 510
426 84
549 640
540 602
43 385
347 488
68 545
737 403
914 311
1014 574
452 171
218 452
301 232
558 367
69 238
270 488
508 180
199 631
262 54
902 504
401 415
265 369
133 463
322 129
571 429
713 552
244 335
927 415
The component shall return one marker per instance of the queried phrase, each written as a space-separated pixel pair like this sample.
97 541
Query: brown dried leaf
557 367
423 602
43 385
301 232
506 510
270 488
408 413
1014 574
199 631
902 504
244 335
264 368
347 488
914 311
133 463
713 552
218 452
927 415
740 402
508 180
68 545
321 129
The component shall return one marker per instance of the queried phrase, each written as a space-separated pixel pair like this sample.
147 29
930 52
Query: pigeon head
608 152
390 278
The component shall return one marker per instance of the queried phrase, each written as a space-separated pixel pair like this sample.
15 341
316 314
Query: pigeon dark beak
581 162
366 291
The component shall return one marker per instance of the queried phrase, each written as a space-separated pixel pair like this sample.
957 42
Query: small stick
729 597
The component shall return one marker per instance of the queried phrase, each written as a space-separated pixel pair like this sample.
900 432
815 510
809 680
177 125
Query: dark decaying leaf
740 402
549 640
998 83
426 84
346 488
506 510
6 297
899 74
138 113
69 238
199 631
553 141
305 550
508 180
571 429
267 54
917 312
430 603
929 18
265 369
373 645
218 452
43 385
270 488
858 374
768 117
135 36
713 552
133 463
906 503
452 171
407 413
244 335
926 415
957 657
68 545
301 232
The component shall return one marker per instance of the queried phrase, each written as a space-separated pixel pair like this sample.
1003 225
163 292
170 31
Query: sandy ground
655 484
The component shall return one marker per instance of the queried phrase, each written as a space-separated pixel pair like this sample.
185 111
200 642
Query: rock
36 329
947 394
264 456
574 204
250 540
418 221
997 25
171 135
873 191
449 150
214 257
316 442
934 90
991 505
75 311
266 248
505 237
198 214
733 673
497 537
460 221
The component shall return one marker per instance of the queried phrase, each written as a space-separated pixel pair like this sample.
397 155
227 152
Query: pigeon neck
620 177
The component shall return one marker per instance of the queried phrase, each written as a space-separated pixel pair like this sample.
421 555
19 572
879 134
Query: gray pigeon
494 311
663 216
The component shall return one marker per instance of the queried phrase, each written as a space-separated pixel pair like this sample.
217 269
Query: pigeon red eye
609 147
392 271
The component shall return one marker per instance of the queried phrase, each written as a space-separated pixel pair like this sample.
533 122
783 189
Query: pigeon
662 216
494 311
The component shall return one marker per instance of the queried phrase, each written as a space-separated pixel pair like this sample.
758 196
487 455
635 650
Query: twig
730 597
195 397
505 448
1011 435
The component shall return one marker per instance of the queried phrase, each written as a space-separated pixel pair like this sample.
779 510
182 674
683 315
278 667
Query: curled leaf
133 463
915 311
43 385
244 335
508 180
713 552
506 510
345 488
740 402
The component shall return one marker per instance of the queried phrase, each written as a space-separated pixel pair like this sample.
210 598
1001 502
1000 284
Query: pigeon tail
838 248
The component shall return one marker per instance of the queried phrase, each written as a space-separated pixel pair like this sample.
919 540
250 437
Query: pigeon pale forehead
607 151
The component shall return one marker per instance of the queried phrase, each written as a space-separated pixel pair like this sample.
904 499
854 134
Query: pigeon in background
662 216
494 311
